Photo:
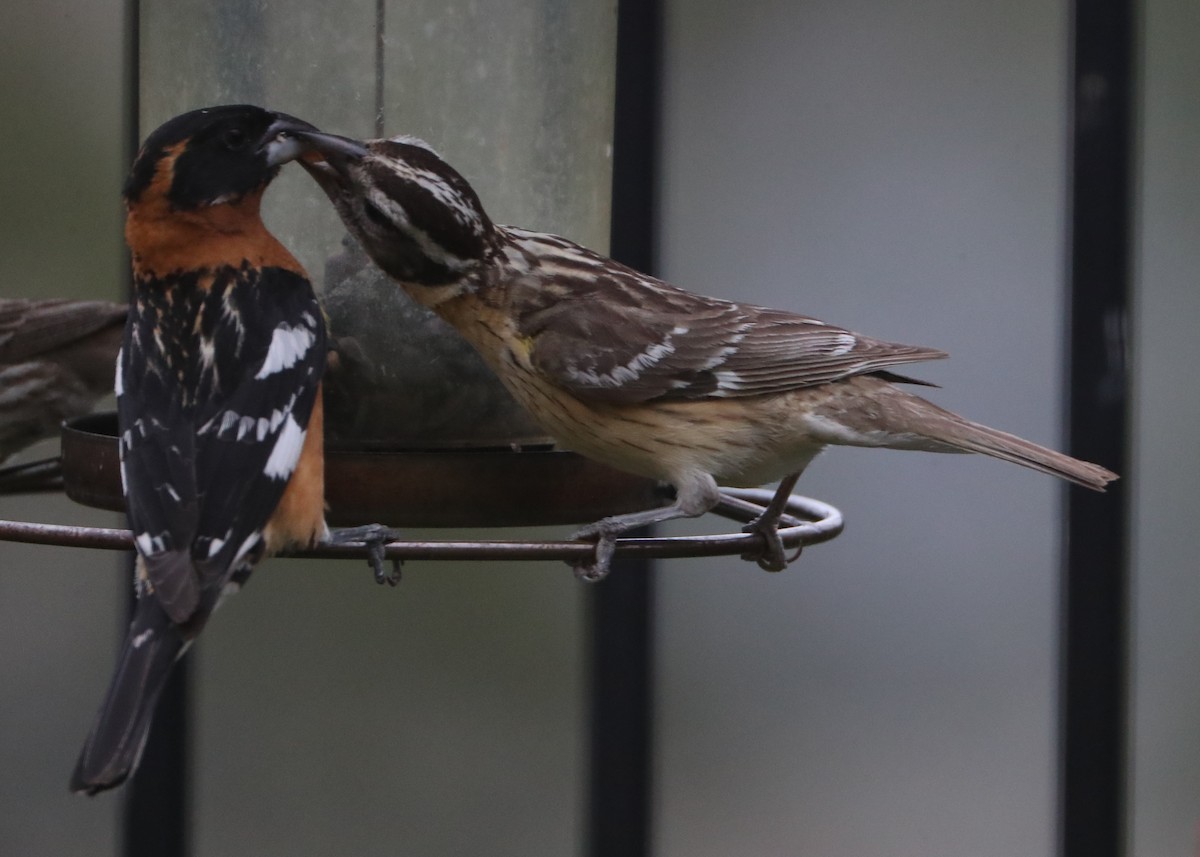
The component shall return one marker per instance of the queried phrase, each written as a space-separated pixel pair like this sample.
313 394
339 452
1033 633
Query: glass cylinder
517 95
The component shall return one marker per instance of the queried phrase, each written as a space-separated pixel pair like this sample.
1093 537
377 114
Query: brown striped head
414 214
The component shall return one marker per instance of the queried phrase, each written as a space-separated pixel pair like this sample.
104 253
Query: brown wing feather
608 333
29 328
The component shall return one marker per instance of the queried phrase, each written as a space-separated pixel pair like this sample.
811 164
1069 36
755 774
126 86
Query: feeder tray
459 487
451 488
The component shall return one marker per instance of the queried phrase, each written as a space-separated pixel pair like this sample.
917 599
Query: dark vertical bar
157 797
132 85
380 17
155 810
622 606
1095 603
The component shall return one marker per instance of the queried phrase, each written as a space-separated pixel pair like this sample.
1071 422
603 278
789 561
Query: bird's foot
773 556
597 566
375 537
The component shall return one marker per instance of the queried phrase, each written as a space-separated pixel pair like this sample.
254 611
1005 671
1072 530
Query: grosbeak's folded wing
250 441
203 477
157 450
29 328
605 341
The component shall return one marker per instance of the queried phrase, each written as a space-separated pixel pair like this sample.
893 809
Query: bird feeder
419 431
409 403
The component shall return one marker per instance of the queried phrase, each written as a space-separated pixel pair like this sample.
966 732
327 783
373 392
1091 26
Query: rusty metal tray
409 488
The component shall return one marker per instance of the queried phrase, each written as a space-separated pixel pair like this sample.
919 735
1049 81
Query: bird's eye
375 213
234 139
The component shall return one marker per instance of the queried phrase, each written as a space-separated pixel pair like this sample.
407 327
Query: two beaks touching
219 378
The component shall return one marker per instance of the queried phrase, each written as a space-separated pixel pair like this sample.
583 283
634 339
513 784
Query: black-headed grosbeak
56 361
218 399
632 371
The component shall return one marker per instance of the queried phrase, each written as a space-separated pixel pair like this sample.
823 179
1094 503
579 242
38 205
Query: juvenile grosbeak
218 398
56 360
632 371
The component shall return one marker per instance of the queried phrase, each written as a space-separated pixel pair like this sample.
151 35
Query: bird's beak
335 149
281 142
328 158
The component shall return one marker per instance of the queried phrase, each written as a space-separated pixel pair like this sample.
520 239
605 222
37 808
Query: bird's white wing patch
286 451
288 345
118 381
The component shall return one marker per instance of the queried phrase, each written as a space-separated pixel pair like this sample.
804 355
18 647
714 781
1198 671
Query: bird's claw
376 558
773 556
376 537
596 567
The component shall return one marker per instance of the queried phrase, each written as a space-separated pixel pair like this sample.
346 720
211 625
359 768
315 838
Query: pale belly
741 442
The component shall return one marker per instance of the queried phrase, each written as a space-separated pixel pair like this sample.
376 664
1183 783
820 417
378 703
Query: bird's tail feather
943 427
114 746
973 437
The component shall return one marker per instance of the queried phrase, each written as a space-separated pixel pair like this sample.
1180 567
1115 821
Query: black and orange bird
218 398
56 362
631 371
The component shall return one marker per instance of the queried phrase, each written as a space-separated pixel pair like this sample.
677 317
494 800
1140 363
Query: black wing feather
194 351
239 496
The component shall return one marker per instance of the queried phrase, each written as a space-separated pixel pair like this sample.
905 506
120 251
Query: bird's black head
211 156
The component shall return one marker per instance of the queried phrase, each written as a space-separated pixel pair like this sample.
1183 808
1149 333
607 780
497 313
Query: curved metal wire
807 522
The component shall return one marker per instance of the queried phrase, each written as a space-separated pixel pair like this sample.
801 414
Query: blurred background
896 169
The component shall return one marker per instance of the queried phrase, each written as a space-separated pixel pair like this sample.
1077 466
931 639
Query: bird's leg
693 497
375 537
772 557
605 532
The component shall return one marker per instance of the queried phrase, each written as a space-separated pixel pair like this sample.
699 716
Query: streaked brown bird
57 359
634 372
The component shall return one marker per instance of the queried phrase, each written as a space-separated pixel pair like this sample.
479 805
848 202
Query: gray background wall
1166 692
895 169
898 169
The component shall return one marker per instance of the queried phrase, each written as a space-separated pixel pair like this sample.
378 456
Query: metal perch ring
806 522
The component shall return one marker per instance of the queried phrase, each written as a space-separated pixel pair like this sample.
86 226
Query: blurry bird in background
57 359
634 372
218 400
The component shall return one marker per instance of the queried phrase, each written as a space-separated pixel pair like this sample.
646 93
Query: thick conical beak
328 158
281 142
332 146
